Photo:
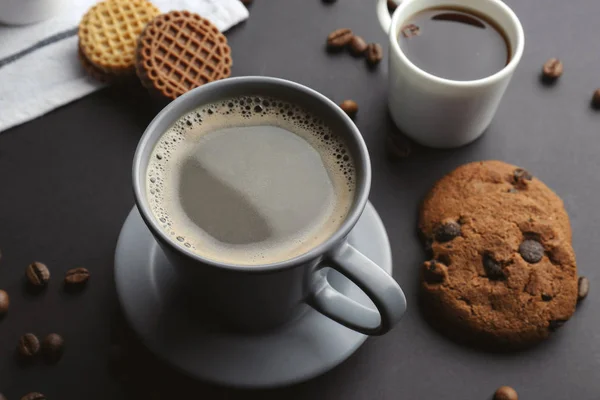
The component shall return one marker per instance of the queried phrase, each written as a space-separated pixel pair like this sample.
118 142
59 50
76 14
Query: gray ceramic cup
252 298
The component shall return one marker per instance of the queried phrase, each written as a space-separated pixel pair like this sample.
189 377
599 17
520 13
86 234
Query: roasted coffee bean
433 272
553 68
492 268
358 46
77 277
52 347
349 107
374 53
398 146
555 324
339 38
392 5
447 231
596 99
34 396
38 274
506 393
4 303
29 345
532 251
546 297
583 288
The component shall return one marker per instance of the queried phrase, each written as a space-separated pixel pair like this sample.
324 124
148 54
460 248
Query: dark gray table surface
65 192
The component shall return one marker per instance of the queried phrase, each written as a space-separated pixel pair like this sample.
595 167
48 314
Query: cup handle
381 288
384 14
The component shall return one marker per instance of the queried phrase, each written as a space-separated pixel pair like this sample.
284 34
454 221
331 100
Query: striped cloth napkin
39 68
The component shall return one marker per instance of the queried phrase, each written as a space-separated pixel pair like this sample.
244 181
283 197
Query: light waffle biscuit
179 51
109 31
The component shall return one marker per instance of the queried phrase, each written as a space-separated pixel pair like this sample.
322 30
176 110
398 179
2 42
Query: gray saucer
302 349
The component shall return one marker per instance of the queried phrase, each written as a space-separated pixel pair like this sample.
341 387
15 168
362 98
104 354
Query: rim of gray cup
252 85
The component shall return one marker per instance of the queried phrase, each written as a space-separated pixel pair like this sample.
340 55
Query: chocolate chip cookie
502 271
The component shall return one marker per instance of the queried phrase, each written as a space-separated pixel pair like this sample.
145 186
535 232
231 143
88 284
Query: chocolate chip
37 274
339 38
583 285
506 393
552 69
555 324
29 345
433 272
532 251
492 268
4 303
521 178
546 297
374 54
447 231
34 396
520 174
349 107
358 46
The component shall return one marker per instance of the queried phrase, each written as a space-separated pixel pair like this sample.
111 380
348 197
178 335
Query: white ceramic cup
440 112
21 12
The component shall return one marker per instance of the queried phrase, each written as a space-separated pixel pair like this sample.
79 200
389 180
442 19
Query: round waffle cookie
179 51
108 33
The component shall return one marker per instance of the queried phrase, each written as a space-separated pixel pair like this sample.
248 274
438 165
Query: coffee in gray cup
250 180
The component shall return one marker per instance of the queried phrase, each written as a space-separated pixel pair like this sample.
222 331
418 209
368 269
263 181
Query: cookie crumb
583 287
434 271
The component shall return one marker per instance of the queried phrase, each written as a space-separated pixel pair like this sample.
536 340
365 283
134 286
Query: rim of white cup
498 76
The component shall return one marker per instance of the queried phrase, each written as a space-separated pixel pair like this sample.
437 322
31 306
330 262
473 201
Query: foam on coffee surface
250 180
